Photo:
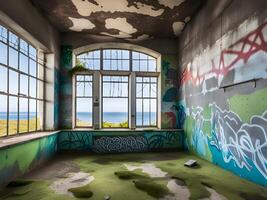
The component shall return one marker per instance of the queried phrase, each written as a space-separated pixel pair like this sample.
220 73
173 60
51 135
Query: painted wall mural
19 159
225 101
173 114
114 142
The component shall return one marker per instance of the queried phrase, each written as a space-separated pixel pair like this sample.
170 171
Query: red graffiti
256 42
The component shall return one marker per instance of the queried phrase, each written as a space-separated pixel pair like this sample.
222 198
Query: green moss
22 191
129 175
153 188
82 192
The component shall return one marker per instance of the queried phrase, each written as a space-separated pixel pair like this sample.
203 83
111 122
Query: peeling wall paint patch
171 3
178 27
80 24
86 8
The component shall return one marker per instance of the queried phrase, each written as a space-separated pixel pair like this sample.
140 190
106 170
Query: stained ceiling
125 19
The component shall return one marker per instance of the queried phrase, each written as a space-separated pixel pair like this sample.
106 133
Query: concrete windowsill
20 139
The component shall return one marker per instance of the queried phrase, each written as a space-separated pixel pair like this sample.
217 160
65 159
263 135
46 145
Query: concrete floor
96 172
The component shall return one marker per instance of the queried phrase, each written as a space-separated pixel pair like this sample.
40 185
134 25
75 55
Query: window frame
40 100
131 82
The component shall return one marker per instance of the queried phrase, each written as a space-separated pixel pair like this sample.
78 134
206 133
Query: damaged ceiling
133 20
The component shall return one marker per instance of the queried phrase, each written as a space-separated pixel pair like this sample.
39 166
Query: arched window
119 89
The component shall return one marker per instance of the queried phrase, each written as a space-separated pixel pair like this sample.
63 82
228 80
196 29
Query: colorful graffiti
101 142
19 159
242 50
173 114
229 126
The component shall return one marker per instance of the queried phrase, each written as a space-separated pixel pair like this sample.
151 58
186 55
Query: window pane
23 63
32 52
84 112
84 89
153 112
13 58
143 62
40 90
23 115
3 53
32 115
139 112
115 112
23 46
13 40
146 104
13 82
116 59
33 66
3 79
3 34
91 60
3 115
23 85
33 86
13 115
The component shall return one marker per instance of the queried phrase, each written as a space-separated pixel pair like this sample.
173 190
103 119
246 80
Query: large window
120 90
21 85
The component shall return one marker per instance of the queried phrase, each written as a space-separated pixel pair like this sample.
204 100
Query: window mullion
132 100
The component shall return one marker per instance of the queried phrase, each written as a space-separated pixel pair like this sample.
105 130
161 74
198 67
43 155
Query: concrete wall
120 142
169 83
18 159
24 19
223 57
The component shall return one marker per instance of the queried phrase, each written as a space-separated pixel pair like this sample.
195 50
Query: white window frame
97 87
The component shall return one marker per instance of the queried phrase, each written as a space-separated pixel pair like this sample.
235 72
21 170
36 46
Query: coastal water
14 115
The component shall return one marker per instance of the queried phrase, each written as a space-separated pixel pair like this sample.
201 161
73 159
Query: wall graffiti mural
100 142
229 126
119 144
173 114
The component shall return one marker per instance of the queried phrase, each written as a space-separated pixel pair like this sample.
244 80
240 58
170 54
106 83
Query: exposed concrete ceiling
132 20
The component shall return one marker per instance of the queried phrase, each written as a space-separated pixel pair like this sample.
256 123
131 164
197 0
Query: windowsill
23 138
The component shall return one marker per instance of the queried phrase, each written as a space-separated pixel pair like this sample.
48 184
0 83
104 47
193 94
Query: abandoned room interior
133 99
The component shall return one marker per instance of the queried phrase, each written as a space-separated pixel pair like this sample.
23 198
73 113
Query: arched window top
118 57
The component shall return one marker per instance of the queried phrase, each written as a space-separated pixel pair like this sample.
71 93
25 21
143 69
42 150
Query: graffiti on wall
228 127
118 143
173 114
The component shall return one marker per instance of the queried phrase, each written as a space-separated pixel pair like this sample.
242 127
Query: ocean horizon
14 115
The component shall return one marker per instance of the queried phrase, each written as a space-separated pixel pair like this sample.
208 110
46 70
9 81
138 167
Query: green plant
79 67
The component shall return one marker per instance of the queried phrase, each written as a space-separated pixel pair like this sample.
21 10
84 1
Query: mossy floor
111 178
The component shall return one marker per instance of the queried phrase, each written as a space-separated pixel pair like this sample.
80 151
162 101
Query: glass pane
3 79
3 115
153 110
136 65
13 82
143 65
115 112
32 52
139 112
32 115
23 46
146 113
139 90
3 34
33 67
13 58
33 86
13 115
13 40
84 112
84 89
107 65
146 90
3 53
23 85
23 115
153 92
23 63
152 66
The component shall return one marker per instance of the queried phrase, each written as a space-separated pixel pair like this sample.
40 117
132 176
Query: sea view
14 115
